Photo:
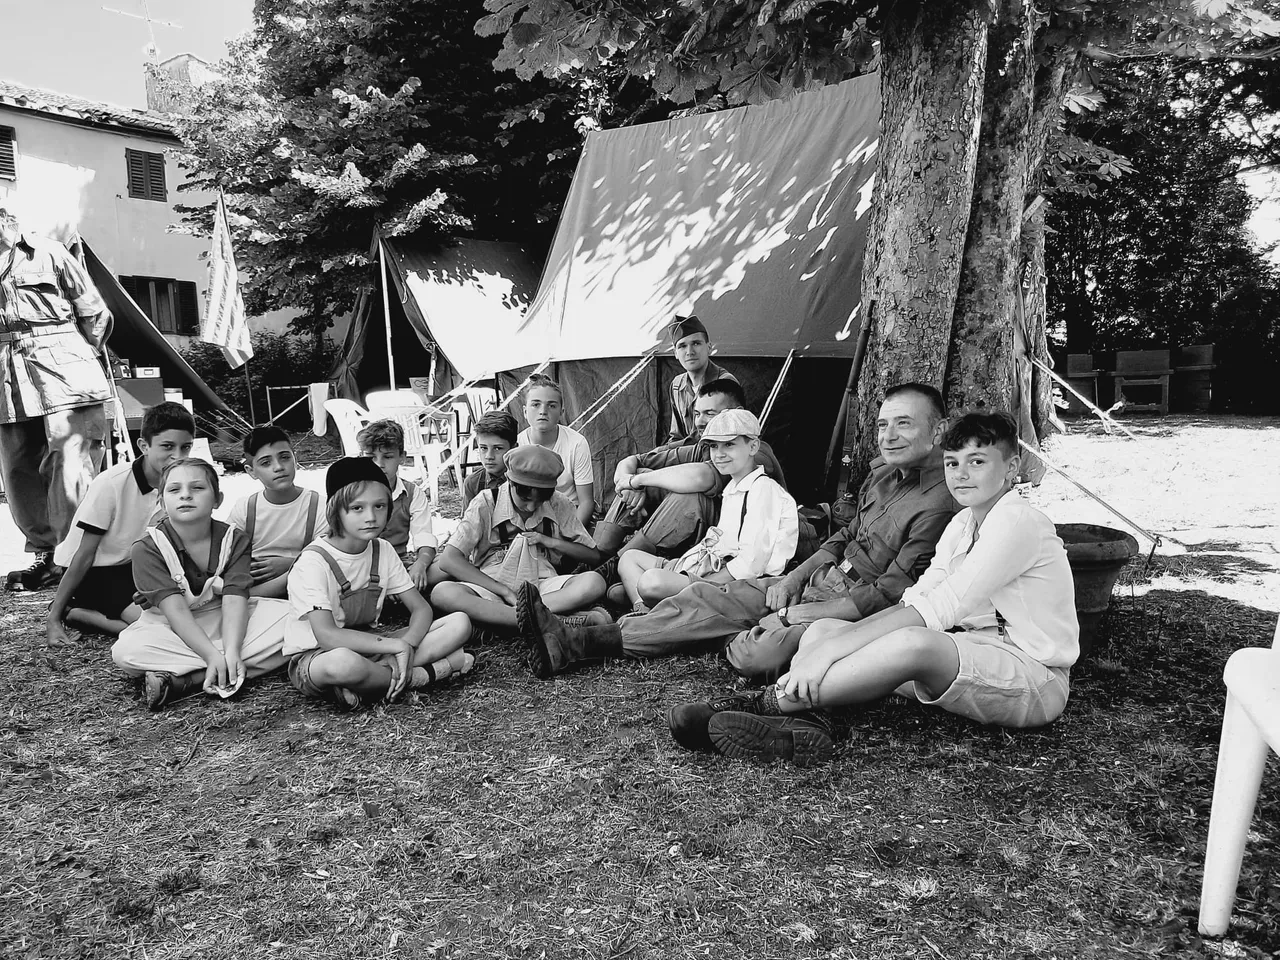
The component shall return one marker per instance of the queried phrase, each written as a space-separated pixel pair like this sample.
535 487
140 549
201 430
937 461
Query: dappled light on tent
755 218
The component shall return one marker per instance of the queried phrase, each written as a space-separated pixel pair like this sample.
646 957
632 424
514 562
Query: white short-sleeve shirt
573 449
120 504
279 529
312 587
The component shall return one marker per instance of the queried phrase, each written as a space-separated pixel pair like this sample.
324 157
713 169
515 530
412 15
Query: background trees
334 118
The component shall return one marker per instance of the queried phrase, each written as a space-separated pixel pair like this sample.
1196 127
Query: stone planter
1097 555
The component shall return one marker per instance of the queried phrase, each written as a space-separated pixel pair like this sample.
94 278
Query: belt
48 330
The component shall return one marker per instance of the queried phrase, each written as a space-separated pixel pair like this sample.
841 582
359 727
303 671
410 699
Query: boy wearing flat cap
756 533
692 347
512 536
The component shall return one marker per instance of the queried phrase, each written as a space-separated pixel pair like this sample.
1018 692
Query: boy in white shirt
409 525
988 632
543 406
281 520
96 590
757 532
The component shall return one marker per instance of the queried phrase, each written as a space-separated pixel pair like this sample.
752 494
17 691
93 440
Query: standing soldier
52 391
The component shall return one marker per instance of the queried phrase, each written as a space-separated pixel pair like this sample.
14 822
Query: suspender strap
311 518
251 521
742 517
344 585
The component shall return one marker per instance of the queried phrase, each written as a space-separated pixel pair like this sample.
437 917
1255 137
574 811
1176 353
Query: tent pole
846 403
248 388
386 312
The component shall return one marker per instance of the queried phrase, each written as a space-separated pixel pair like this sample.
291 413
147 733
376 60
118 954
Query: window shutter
155 177
130 285
8 153
136 163
188 307
146 175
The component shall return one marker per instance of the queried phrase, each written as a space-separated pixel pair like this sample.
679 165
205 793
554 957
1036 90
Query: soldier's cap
532 465
683 327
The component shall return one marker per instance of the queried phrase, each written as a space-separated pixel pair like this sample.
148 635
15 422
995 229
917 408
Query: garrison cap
683 327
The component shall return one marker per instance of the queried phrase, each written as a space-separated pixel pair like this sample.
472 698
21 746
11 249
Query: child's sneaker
161 689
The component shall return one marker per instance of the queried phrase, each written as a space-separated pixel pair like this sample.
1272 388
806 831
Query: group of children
297 581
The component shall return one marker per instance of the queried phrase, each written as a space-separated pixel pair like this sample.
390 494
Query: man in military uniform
52 391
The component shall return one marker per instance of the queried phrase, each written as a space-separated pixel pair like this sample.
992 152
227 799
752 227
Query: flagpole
248 387
386 313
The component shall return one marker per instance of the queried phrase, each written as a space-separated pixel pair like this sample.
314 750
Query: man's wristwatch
782 616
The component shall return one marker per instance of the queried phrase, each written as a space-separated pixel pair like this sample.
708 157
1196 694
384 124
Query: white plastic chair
1250 726
350 417
377 400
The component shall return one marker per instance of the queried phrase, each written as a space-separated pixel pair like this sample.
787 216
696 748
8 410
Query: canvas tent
439 298
756 220
134 336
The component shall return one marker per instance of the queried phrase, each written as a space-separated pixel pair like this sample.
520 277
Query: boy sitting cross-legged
409 525
988 632
281 520
495 434
336 591
121 503
756 533
510 537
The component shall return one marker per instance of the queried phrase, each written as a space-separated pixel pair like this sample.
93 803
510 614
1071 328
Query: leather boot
556 645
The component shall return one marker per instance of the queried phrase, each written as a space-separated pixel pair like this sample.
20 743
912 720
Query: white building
73 167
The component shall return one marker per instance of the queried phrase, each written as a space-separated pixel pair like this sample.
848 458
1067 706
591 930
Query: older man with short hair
902 509
53 423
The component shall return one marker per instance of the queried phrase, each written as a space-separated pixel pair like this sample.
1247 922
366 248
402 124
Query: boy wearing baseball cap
512 536
756 535
692 346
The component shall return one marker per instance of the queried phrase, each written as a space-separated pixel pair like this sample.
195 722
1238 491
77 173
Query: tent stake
386 313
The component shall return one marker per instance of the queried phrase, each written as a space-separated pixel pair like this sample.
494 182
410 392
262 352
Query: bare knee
445 595
654 585
339 668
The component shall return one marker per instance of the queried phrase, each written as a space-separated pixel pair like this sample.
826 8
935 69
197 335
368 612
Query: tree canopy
332 119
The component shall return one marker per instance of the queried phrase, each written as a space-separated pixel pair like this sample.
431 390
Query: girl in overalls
199 629
336 590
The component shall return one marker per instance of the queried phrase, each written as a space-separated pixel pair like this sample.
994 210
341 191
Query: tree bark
934 57
981 367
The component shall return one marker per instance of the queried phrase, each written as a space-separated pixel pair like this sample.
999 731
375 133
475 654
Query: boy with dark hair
495 434
988 632
409 525
282 519
692 346
121 503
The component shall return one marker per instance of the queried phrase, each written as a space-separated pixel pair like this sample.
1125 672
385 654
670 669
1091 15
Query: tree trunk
981 368
934 57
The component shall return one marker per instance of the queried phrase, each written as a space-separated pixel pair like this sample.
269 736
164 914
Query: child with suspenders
199 628
282 518
336 590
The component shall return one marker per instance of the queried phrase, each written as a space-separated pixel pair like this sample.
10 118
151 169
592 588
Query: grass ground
505 817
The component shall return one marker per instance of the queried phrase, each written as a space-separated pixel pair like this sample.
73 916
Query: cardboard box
151 372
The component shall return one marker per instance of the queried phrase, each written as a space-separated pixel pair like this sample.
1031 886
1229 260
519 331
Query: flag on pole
224 323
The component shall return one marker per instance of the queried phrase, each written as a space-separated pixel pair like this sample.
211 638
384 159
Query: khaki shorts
999 683
300 677
549 585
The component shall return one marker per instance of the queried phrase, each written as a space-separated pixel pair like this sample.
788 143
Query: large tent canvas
461 299
753 218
